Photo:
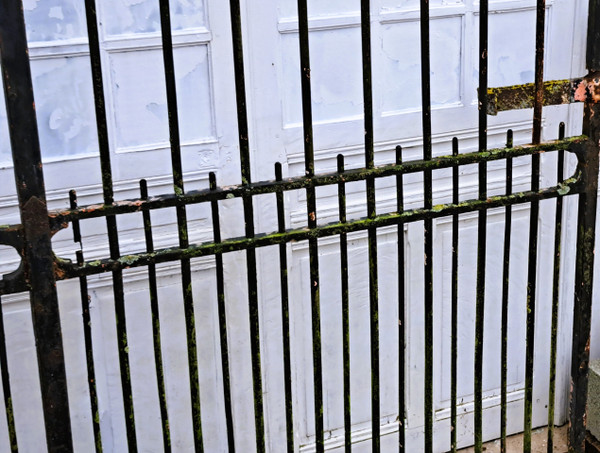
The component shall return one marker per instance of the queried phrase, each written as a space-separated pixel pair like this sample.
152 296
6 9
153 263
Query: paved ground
538 441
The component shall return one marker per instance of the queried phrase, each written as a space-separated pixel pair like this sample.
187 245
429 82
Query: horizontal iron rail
555 92
60 217
67 269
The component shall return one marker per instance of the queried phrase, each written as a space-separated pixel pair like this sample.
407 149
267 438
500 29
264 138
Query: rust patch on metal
517 97
556 92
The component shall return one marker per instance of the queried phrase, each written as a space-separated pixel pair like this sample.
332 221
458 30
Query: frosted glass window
51 20
65 106
140 101
143 16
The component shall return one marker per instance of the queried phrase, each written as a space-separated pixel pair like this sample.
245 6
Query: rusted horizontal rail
67 269
59 217
12 234
556 92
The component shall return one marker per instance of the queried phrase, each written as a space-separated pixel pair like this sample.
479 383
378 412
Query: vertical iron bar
345 308
481 224
87 330
454 303
8 406
111 221
584 272
593 37
428 223
285 317
154 308
24 139
401 309
89 356
505 288
177 169
371 213
555 294
309 170
242 114
533 224
216 224
584 267
123 347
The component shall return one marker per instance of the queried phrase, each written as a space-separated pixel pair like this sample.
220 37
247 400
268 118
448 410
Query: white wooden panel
511 62
402 64
412 4
336 76
64 107
142 16
331 331
289 8
516 320
140 104
51 20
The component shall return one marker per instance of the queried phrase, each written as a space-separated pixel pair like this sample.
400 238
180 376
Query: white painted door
337 109
134 86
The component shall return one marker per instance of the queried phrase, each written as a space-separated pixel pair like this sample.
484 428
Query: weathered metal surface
59 219
587 89
37 247
593 39
66 269
555 92
586 236
582 311
516 97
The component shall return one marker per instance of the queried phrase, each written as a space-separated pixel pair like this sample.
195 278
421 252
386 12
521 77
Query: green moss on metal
517 97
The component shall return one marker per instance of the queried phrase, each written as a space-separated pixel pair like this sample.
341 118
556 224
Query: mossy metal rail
41 269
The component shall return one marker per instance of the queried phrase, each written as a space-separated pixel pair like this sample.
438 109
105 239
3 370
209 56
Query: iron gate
40 268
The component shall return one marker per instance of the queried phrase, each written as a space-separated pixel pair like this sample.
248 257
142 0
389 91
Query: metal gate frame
40 268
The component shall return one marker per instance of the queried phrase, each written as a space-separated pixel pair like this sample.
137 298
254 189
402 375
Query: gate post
582 311
586 227
37 255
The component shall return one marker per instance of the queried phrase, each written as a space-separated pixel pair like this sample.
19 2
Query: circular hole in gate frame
10 260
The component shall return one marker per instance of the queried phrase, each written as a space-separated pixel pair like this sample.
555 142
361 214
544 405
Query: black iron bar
401 310
560 166
242 117
156 336
37 253
505 298
311 206
584 273
99 100
285 317
454 304
59 217
371 213
428 224
87 330
8 406
481 225
345 308
539 71
123 346
89 355
586 236
533 225
182 229
216 225
111 221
